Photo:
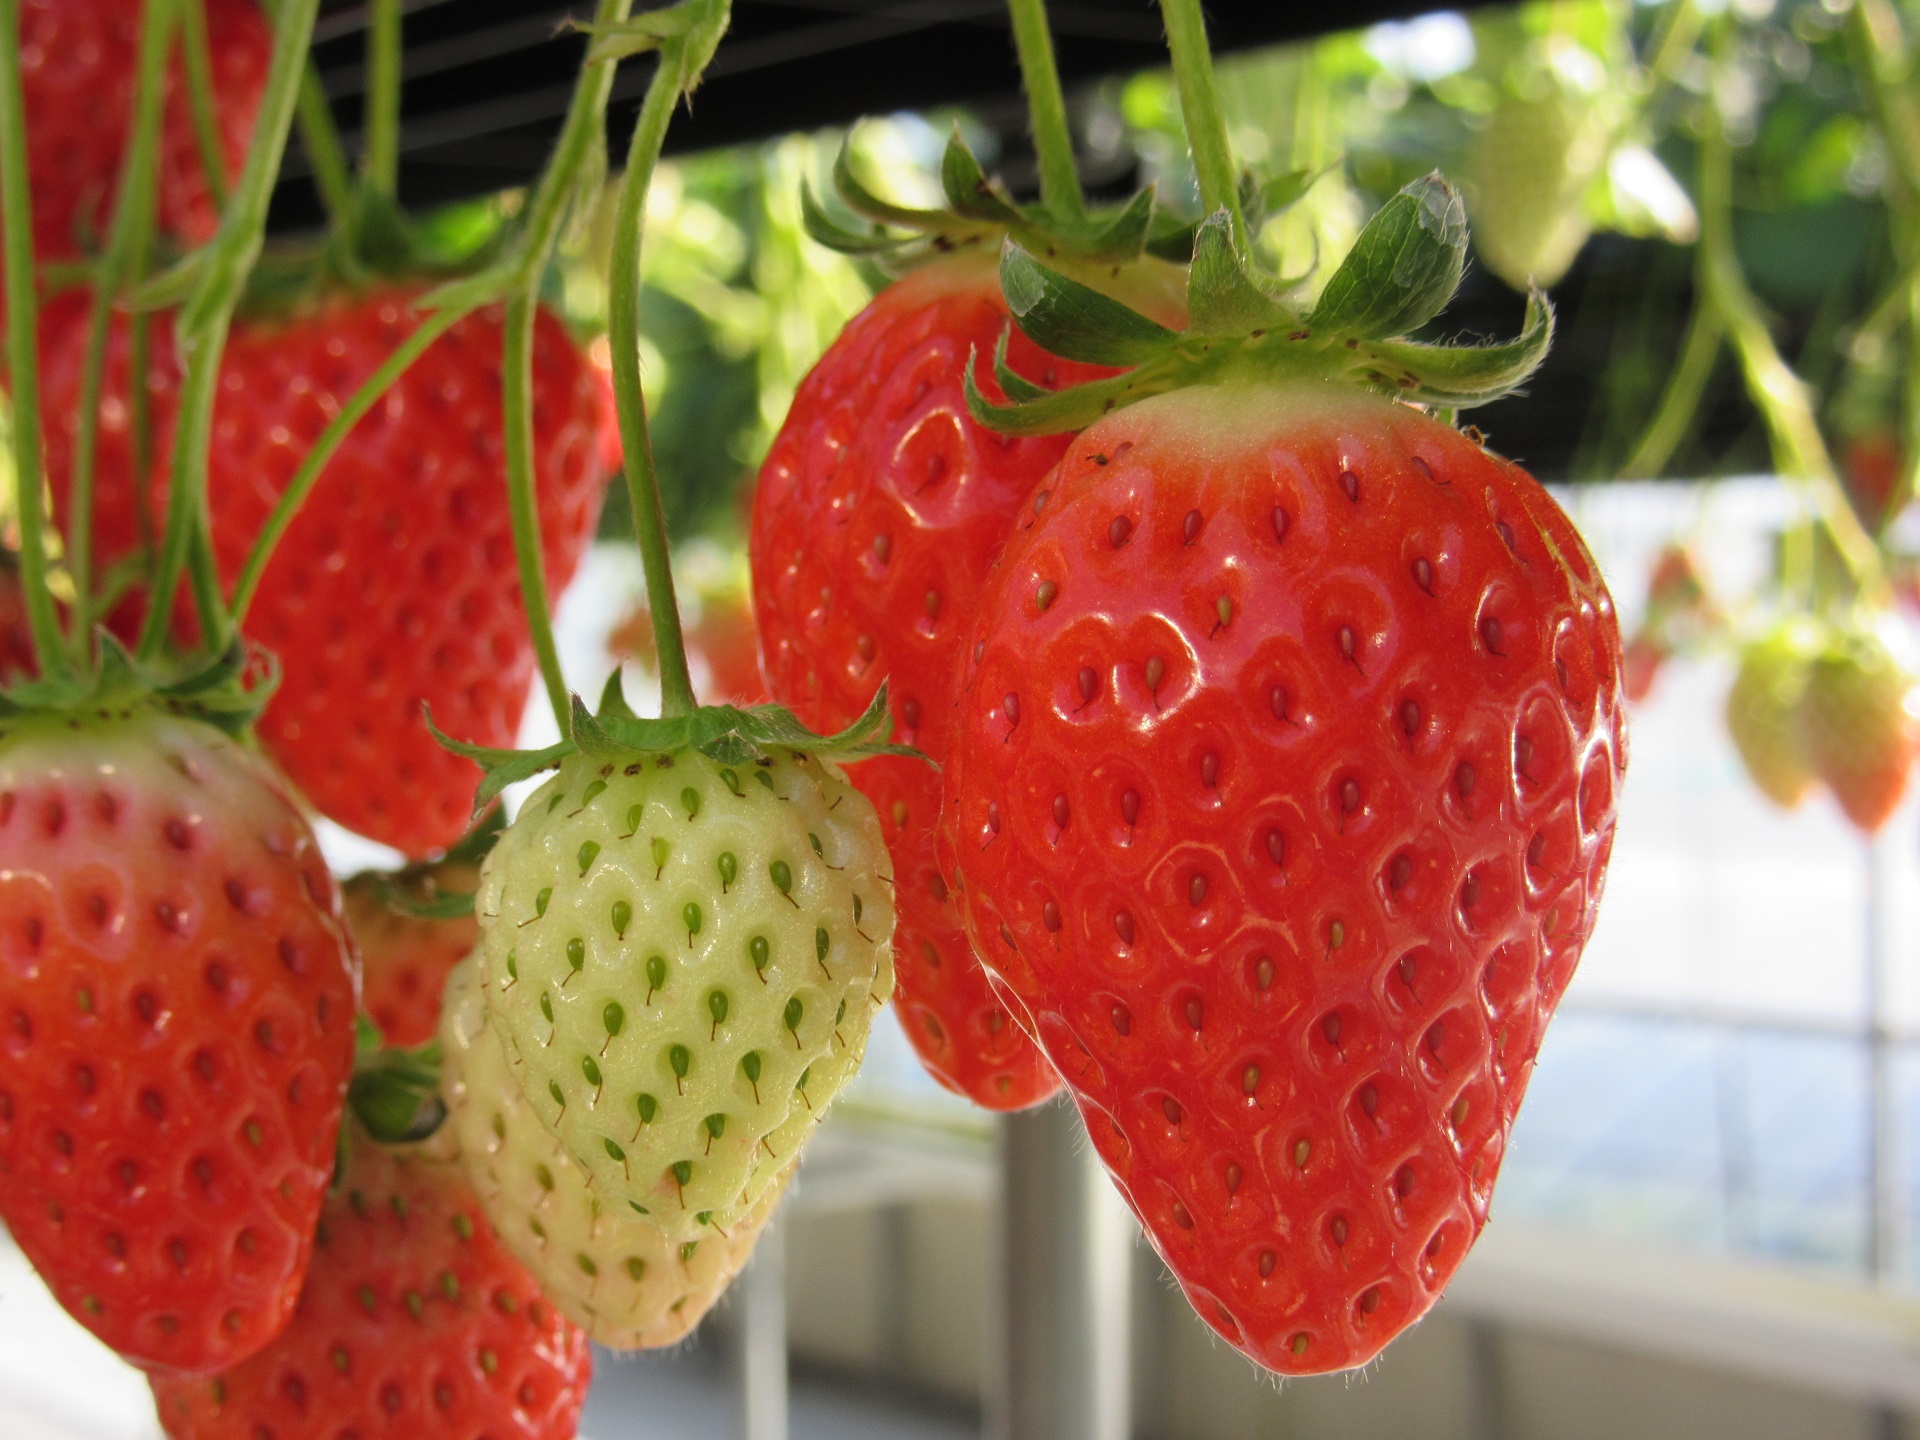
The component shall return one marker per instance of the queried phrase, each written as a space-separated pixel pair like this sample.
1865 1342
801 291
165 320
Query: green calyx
724 733
980 213
228 690
1400 274
395 1094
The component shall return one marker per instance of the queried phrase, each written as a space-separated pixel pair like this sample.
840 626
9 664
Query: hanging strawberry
1284 774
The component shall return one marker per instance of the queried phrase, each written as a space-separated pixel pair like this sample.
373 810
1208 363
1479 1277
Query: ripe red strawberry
176 1031
405 957
1857 725
77 61
1282 789
395 586
879 509
415 1321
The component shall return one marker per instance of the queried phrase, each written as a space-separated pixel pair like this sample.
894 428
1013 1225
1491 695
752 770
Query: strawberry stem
380 157
585 123
1206 122
1047 111
670 80
330 439
201 331
129 244
517 418
1781 396
326 156
16 216
200 100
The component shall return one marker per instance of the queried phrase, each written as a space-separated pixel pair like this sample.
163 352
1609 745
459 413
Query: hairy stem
201 327
623 323
1046 111
130 240
16 236
1206 122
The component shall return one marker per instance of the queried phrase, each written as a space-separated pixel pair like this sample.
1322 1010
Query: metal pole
1066 1255
762 1355
1884 1197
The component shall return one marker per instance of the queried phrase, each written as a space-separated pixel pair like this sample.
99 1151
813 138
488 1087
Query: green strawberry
1856 724
613 1273
683 957
1762 707
1543 147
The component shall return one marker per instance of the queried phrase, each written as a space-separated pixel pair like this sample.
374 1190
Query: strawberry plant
1285 765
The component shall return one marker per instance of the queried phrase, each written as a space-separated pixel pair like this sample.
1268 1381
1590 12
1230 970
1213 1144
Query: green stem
325 154
1785 405
1047 111
1680 402
1880 51
16 235
1206 122
304 479
202 101
380 160
129 242
516 399
623 325
201 327
585 123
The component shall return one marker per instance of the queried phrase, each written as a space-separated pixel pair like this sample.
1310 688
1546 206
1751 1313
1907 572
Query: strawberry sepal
1400 274
728 734
228 690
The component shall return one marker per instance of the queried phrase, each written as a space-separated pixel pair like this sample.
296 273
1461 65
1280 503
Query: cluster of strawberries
1279 729
1278 739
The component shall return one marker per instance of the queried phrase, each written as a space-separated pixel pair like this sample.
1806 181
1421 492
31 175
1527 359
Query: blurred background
1706 1223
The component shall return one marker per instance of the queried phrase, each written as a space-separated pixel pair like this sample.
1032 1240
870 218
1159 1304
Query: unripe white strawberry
683 959
614 1274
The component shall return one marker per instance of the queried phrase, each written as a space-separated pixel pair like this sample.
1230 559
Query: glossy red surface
1282 790
878 513
415 1321
176 1031
395 586
77 60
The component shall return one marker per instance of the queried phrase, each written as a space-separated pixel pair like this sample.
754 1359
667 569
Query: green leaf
1013 385
865 203
1222 298
172 286
968 189
613 697
1261 200
1075 321
1404 267
1075 408
1460 375
502 767
447 905
623 39
1125 235
396 1096
824 230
